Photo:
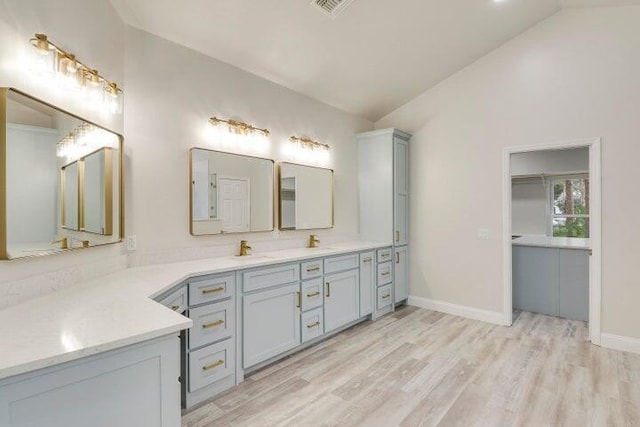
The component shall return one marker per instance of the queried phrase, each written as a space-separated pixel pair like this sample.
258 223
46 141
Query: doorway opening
552 231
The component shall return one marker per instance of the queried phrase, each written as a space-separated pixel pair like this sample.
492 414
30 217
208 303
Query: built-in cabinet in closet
383 178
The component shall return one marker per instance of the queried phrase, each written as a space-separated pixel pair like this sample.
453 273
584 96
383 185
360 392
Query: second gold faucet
313 241
244 248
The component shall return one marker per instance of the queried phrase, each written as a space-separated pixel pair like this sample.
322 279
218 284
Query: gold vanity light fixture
237 127
310 150
71 73
83 140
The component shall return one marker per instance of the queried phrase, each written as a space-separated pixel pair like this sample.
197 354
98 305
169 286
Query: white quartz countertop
551 242
116 310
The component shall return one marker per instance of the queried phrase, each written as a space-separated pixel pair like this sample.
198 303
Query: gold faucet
244 247
313 241
64 243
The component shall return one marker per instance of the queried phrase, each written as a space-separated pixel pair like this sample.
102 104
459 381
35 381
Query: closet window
570 207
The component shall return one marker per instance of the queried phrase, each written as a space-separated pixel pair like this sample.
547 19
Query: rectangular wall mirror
306 197
230 193
60 180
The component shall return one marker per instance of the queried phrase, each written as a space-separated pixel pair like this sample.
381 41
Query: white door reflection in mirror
306 197
230 193
234 204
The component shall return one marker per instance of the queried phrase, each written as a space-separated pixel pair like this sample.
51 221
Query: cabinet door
367 282
342 299
535 279
574 284
401 273
271 323
400 191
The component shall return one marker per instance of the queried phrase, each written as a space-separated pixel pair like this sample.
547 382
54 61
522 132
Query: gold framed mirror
61 185
229 193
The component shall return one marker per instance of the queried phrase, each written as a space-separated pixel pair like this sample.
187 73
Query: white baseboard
619 342
494 317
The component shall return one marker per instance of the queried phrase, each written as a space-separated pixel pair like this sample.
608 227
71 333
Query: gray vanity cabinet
383 178
367 282
341 299
401 282
271 307
341 290
271 323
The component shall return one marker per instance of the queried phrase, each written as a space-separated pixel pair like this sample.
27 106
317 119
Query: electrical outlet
131 243
483 234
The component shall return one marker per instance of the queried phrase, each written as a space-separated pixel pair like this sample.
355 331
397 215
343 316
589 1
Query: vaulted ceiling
373 57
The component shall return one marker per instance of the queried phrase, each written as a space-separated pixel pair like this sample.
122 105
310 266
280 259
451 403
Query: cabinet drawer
311 269
312 324
312 294
211 364
211 322
176 301
384 296
384 255
341 263
267 277
385 273
211 289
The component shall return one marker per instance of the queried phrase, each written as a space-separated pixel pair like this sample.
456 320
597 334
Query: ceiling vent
331 7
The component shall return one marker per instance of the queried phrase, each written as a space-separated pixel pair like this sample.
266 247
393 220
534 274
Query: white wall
171 93
574 75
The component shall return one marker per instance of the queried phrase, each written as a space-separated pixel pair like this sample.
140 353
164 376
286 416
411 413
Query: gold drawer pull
385 255
316 268
213 324
213 290
386 296
313 325
386 273
367 260
315 294
397 236
213 365
175 307
328 290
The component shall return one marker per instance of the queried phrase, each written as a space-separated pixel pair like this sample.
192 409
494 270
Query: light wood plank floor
421 368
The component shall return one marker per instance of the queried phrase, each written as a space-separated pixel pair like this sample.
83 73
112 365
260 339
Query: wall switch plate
483 234
131 243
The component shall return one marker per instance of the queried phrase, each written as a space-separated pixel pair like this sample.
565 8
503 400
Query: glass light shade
112 99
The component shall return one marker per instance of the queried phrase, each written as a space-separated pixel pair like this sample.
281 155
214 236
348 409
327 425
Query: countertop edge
59 359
